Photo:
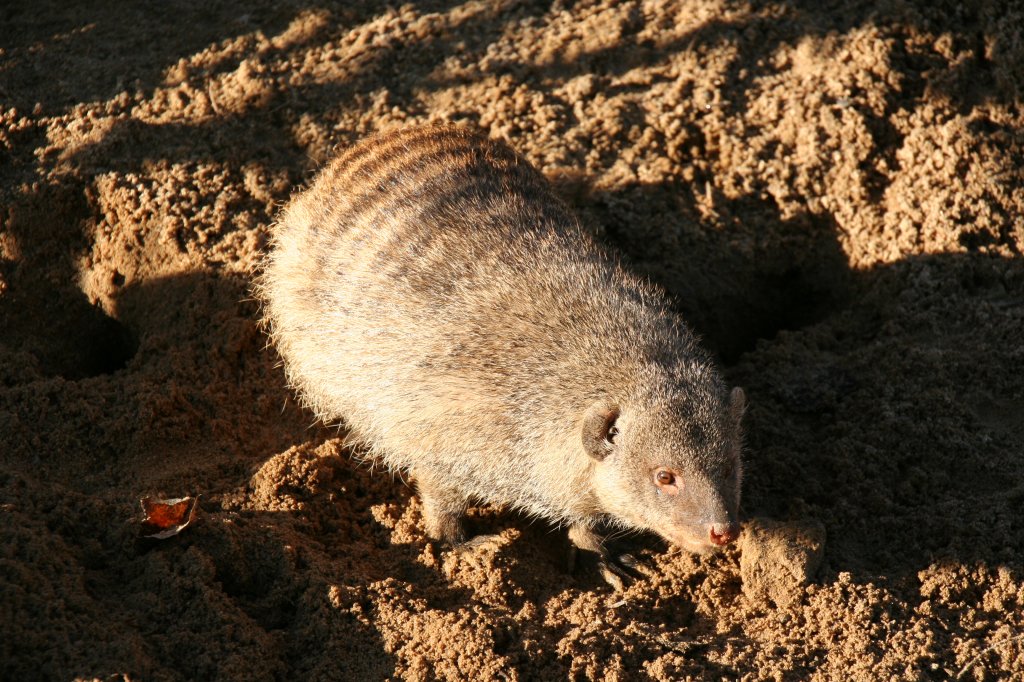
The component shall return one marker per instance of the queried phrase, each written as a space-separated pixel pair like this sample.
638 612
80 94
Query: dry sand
833 195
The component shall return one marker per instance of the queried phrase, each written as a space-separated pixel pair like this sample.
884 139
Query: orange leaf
166 518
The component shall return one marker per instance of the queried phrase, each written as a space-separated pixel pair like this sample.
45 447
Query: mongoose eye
667 482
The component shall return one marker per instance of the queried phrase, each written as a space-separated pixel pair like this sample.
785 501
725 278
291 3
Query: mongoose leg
443 509
614 570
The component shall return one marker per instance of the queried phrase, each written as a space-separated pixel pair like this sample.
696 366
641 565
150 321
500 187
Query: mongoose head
672 466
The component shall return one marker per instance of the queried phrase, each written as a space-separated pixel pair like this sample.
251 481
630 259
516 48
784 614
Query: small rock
779 557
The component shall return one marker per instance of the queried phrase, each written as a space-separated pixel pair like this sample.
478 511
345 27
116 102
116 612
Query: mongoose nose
723 533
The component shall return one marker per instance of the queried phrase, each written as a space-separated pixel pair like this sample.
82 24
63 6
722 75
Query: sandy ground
833 195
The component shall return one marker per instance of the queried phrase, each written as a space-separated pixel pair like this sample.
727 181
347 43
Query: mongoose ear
737 404
599 430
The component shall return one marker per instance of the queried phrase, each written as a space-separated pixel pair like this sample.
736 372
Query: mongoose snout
723 533
430 290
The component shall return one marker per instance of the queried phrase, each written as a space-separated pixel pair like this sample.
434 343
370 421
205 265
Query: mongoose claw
618 571
629 561
615 574
616 577
492 541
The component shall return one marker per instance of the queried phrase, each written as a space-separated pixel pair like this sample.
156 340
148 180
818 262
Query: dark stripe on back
368 159
446 167
425 178
365 151
436 181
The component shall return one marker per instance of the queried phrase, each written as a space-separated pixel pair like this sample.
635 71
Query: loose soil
832 192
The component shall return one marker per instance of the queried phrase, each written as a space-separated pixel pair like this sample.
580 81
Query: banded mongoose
431 291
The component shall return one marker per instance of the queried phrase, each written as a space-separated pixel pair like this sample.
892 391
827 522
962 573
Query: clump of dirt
778 559
832 194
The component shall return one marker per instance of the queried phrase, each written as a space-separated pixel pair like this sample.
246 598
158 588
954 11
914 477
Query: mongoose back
429 290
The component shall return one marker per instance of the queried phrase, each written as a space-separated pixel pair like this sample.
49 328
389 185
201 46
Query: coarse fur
430 291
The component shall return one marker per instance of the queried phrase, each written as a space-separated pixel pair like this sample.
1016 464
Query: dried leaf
166 518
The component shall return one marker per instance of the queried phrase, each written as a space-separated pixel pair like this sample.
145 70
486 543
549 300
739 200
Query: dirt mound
831 192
